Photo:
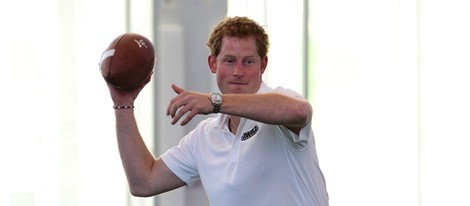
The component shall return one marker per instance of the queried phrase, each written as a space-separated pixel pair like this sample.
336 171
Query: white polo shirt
261 165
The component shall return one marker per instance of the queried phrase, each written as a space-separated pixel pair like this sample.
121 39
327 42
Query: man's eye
229 61
249 61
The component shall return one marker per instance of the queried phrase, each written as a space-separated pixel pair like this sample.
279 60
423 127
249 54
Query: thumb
177 89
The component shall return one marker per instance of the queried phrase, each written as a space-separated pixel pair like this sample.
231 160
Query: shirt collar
264 88
222 119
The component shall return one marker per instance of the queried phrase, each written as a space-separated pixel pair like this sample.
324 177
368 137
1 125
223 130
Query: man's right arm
146 175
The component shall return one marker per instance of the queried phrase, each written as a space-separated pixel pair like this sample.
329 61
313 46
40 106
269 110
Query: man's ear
212 61
264 64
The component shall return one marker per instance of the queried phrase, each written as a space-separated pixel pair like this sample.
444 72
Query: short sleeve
305 135
179 159
300 141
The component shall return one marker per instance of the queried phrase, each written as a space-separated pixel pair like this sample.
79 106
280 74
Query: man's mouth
238 83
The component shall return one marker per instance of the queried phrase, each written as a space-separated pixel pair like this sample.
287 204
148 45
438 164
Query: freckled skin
238 67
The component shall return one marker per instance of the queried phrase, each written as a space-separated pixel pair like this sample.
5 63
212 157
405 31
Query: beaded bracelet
123 107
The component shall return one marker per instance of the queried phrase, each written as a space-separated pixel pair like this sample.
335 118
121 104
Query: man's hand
125 97
189 104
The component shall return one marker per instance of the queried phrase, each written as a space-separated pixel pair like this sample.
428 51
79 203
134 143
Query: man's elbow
303 114
139 190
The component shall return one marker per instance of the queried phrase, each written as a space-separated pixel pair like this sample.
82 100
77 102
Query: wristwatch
216 100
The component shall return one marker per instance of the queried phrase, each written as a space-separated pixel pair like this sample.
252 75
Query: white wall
181 35
444 102
390 90
58 145
389 85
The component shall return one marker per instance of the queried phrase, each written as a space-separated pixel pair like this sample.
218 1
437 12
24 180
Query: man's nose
238 70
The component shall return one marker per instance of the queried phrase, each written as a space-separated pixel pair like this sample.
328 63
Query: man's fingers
179 113
185 105
171 109
188 118
177 89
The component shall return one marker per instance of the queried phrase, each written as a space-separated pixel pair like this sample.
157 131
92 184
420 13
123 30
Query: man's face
238 67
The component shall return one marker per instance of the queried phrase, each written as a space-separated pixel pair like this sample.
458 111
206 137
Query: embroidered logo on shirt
251 133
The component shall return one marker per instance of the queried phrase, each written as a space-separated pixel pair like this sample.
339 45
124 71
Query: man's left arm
270 108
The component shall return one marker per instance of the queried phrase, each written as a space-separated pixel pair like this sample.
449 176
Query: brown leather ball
129 61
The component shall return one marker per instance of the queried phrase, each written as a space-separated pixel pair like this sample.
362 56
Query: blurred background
388 80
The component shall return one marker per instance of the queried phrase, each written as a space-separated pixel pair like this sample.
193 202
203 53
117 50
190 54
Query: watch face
216 98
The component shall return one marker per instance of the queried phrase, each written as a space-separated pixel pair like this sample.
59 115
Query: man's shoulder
214 121
264 88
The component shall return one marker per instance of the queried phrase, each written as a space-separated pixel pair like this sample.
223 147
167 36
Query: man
258 150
